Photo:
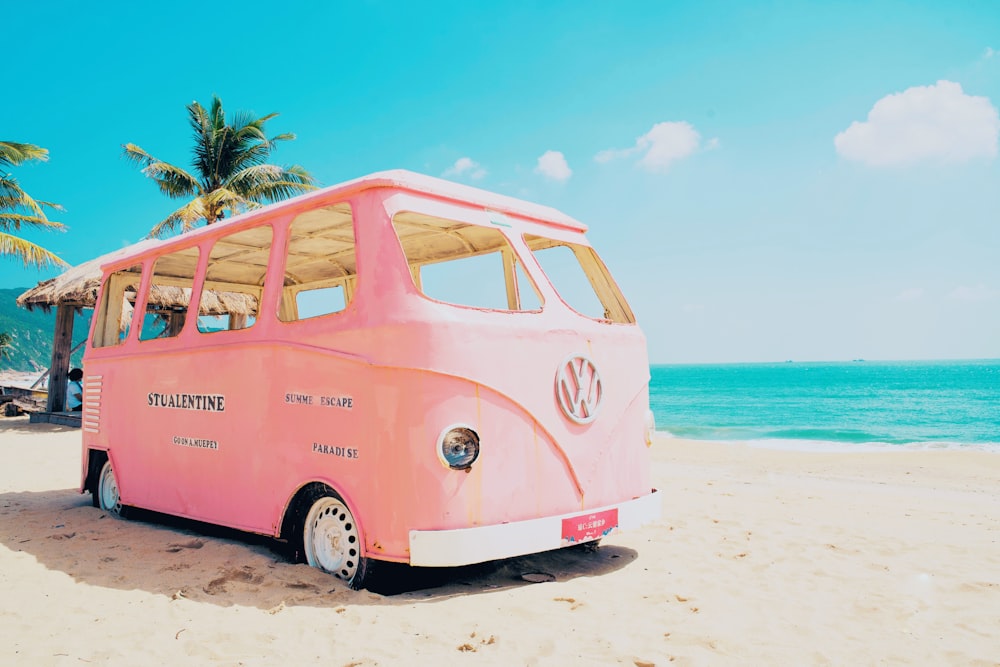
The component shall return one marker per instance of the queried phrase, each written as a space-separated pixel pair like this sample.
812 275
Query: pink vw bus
396 368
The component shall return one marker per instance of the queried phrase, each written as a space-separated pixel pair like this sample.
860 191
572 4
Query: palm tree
18 208
230 160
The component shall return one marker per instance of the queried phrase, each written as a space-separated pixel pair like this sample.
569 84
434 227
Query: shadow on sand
180 558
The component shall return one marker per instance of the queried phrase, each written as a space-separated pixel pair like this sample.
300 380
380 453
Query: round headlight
458 447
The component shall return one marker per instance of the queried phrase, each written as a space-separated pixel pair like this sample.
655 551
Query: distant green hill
32 333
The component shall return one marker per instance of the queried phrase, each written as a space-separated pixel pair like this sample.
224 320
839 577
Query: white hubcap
332 541
110 500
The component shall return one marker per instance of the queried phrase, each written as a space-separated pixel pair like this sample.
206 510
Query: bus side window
321 267
114 320
234 280
169 294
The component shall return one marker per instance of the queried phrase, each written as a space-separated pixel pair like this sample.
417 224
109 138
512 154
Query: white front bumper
464 546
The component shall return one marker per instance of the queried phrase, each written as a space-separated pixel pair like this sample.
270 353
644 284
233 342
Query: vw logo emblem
578 389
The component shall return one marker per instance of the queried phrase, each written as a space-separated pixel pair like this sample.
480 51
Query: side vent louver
92 403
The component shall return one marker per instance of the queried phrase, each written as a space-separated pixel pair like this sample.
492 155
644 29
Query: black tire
95 461
106 492
329 538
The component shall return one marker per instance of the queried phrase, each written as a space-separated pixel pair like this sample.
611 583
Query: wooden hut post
62 344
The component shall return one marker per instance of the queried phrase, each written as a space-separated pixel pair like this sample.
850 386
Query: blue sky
766 180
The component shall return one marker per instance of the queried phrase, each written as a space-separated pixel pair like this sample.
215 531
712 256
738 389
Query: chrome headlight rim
441 443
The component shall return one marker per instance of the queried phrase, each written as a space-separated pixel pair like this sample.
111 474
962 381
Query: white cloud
552 164
611 154
911 294
988 53
663 145
939 123
978 293
465 166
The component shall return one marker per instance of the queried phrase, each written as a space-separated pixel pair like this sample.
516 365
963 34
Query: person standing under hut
74 391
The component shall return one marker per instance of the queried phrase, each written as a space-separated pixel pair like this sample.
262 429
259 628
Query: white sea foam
829 446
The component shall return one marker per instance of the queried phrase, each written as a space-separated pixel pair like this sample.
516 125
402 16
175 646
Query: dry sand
762 557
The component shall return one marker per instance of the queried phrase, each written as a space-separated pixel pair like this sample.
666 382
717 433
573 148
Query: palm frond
279 190
226 199
245 120
186 217
249 146
8 202
52 205
285 136
251 156
29 253
13 202
15 220
10 189
301 174
137 155
218 114
204 132
268 182
172 181
199 119
13 153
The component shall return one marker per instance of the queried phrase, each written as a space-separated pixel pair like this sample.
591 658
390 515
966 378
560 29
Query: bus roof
397 178
438 187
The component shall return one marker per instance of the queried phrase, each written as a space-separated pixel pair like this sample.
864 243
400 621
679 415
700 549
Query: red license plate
586 527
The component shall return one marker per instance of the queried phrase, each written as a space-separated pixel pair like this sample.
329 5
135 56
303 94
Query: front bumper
464 546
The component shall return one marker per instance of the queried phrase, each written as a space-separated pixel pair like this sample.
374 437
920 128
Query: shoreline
833 446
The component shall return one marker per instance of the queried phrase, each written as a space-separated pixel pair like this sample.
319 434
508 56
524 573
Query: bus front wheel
108 498
331 540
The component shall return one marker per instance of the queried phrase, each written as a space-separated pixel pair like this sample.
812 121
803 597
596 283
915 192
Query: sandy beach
762 557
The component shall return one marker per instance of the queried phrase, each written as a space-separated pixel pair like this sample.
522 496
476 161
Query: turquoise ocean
832 405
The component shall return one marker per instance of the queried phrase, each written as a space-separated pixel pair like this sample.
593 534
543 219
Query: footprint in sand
193 544
471 648
300 585
244 575
176 567
573 604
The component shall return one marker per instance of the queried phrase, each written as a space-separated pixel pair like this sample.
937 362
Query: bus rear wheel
331 540
108 498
